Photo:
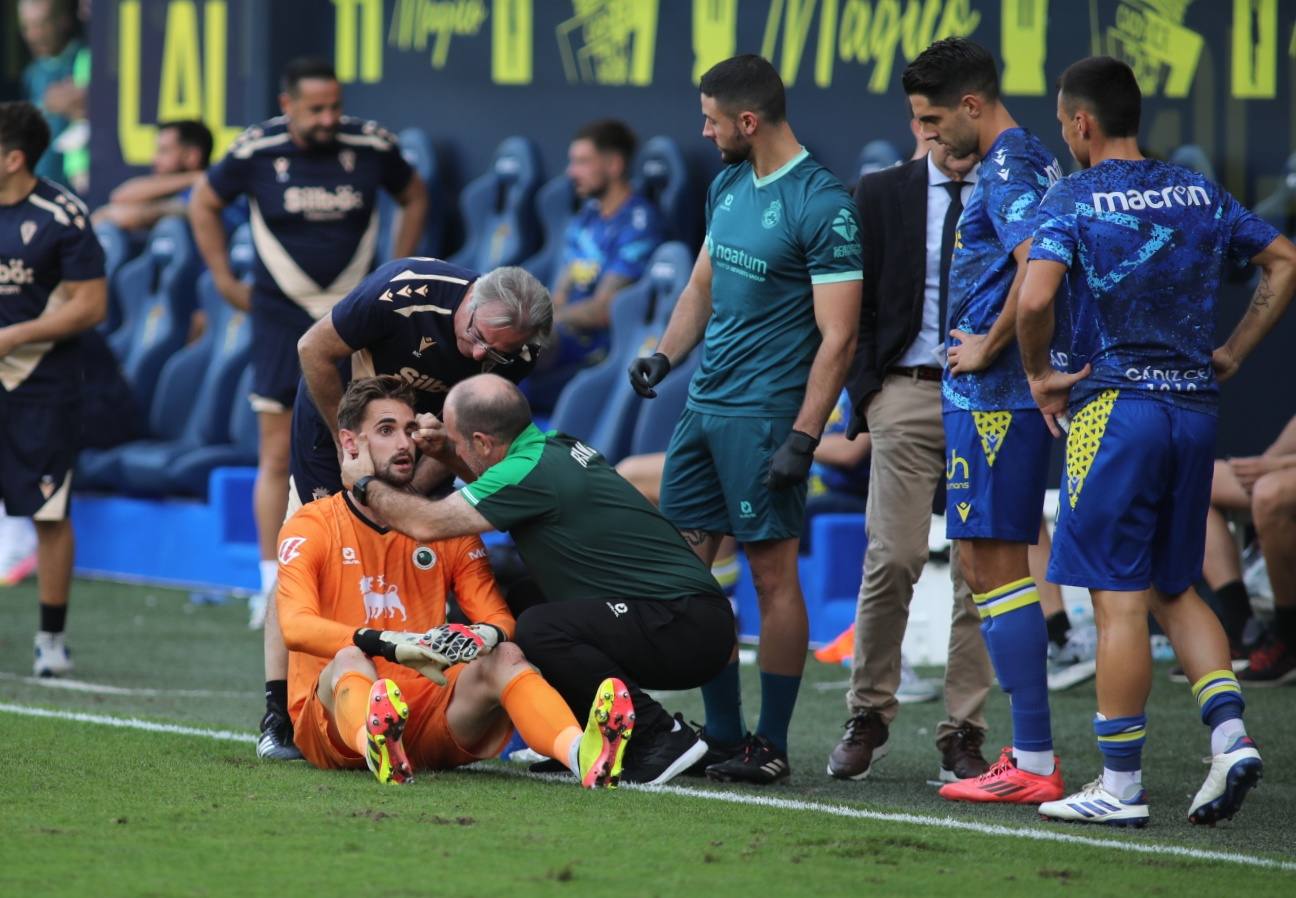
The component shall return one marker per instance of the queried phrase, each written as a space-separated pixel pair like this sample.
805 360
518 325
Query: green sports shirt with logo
770 240
583 531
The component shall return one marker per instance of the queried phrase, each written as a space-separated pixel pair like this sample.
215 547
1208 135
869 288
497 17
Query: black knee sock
1285 625
53 618
1234 609
1059 627
276 693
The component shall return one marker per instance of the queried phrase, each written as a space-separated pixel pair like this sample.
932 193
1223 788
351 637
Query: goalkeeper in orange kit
376 676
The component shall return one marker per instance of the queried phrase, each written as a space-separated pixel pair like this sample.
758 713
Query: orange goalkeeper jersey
338 572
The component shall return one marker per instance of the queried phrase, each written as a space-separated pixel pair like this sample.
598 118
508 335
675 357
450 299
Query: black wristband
372 644
361 489
500 634
802 442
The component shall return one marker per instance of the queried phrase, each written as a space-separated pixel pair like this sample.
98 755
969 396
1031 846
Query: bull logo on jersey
27 230
348 159
381 602
772 215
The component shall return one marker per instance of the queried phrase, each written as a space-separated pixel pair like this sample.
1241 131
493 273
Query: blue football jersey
45 239
314 210
621 244
830 478
999 215
1146 243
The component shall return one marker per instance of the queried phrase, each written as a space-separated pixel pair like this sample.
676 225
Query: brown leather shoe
961 757
863 744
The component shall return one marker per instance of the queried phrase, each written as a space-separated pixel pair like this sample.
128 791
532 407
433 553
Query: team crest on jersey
772 215
27 230
424 558
290 548
348 160
728 202
381 600
844 225
281 169
47 486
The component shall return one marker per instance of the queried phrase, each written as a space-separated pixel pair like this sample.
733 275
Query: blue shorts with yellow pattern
996 471
1135 494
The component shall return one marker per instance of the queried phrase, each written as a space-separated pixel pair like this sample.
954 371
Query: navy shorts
714 478
38 447
996 472
313 462
1135 495
275 367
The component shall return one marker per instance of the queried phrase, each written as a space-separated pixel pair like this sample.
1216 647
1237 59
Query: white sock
573 757
269 573
1224 734
1124 784
1038 762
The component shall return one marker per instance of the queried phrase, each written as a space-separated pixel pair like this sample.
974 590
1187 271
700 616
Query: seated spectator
49 28
1265 486
606 249
182 154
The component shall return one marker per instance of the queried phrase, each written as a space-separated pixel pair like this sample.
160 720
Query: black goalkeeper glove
646 373
791 462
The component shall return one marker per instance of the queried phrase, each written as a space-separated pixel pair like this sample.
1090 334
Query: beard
735 155
388 474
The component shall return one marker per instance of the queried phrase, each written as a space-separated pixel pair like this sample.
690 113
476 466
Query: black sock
53 618
276 693
1285 625
1234 609
1059 627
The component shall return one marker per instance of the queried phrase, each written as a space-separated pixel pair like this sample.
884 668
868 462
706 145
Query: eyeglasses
499 358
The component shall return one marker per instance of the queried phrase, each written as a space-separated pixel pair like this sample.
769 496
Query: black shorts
648 643
38 447
275 366
313 461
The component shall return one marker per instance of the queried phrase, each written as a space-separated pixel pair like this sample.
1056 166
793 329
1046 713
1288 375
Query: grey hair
527 306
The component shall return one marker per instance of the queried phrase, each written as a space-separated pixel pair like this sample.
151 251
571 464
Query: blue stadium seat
498 209
658 417
190 472
118 249
1194 157
599 405
421 154
875 156
662 175
556 203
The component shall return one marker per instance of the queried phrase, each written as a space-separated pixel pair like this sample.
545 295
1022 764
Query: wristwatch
361 489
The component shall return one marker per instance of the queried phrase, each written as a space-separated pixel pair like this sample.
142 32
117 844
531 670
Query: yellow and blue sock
778 701
1219 696
722 699
1017 640
1120 739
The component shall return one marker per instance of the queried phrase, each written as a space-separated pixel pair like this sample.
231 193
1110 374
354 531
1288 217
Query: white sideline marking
105 689
762 801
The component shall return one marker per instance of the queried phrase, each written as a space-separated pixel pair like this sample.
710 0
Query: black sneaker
1272 664
716 751
759 762
654 759
276 742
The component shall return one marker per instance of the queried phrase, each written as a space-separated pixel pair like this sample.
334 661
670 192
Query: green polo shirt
583 531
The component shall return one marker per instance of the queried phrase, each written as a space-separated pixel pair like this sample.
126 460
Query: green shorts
713 479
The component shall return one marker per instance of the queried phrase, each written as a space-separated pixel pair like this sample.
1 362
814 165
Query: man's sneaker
1239 658
17 568
760 762
862 745
913 689
1094 804
1272 664
961 757
385 723
716 751
51 658
1233 774
276 742
256 610
657 758
841 650
1006 783
603 745
1073 663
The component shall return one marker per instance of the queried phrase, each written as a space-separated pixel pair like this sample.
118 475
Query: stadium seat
498 209
556 202
599 405
662 175
422 156
1194 157
657 419
875 156
1277 207
190 473
118 249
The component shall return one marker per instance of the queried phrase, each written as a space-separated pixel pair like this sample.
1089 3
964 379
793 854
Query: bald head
488 404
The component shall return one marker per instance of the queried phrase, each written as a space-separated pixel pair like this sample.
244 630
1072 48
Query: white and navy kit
314 218
45 240
400 321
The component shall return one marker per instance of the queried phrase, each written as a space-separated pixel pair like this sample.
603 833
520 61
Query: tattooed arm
1277 263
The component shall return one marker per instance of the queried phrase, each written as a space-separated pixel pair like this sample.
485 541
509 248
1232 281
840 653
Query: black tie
952 214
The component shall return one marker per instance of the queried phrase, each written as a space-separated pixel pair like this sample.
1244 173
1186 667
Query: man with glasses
429 323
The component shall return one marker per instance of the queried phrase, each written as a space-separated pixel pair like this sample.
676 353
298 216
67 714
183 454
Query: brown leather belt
921 372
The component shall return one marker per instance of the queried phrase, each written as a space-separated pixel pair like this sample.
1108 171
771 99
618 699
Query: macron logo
1136 200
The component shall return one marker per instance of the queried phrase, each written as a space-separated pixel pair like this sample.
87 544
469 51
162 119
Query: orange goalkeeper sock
351 706
542 717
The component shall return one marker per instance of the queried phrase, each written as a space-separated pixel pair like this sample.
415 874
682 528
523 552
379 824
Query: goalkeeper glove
408 649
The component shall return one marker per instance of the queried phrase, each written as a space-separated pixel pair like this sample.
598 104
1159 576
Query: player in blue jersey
774 296
429 323
1143 246
606 248
51 289
311 177
997 444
